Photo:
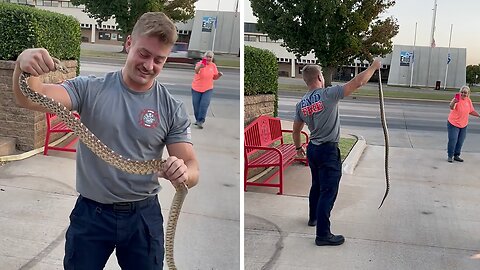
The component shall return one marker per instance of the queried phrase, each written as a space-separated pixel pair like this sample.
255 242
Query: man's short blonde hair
156 24
310 73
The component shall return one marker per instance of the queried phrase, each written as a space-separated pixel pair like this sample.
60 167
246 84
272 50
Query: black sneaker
449 159
312 223
331 240
458 158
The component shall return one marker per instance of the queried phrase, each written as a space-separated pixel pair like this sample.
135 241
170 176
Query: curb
24 155
299 93
351 161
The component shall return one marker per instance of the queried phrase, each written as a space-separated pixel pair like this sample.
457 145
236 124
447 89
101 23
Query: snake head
59 66
62 69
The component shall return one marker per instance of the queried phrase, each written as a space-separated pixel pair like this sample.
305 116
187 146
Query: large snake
109 156
385 134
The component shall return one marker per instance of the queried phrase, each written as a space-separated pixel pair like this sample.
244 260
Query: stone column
257 105
92 39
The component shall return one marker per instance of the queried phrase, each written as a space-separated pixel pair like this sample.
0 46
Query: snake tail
385 133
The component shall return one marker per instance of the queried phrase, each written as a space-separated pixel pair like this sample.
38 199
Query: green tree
127 12
336 31
473 74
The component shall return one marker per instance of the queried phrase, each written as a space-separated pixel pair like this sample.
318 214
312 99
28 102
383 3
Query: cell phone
204 61
457 96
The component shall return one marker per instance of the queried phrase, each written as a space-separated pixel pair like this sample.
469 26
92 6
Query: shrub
23 27
260 73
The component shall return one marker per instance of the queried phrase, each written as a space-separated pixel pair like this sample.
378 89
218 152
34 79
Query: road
177 80
411 124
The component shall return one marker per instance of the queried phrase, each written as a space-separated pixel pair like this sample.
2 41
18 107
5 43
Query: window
249 38
50 3
250 28
104 36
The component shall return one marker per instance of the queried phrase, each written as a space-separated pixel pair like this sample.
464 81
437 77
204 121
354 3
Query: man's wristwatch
298 148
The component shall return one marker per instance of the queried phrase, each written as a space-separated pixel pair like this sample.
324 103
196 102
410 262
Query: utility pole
413 55
215 30
432 39
448 57
432 36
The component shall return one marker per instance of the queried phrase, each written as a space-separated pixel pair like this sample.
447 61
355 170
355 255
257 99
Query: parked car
181 54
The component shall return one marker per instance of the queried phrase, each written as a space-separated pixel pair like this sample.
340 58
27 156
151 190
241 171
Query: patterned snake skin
109 156
385 134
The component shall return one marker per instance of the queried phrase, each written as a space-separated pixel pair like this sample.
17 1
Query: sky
463 14
225 5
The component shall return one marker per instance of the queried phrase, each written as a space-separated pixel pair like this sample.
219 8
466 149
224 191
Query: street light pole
413 56
448 57
216 24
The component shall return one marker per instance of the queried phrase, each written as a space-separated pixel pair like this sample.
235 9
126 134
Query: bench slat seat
264 148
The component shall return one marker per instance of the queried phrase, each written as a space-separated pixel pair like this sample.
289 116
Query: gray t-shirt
134 125
319 110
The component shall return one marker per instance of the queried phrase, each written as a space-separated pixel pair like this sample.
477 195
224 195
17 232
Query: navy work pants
326 168
134 230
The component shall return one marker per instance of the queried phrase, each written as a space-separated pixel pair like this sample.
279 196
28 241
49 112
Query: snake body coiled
385 134
109 156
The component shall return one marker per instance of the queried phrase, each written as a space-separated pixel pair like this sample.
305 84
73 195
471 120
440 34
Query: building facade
430 63
200 32
428 67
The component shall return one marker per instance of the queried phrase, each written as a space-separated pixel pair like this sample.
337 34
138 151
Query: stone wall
28 127
258 105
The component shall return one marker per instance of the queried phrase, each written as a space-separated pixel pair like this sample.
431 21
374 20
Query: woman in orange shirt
202 87
460 107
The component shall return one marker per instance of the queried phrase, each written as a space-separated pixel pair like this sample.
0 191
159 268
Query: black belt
125 207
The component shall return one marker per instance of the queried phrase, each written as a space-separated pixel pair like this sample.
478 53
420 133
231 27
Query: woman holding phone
202 87
460 107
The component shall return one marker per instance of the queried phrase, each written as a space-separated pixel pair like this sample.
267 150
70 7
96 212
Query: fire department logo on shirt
149 118
311 105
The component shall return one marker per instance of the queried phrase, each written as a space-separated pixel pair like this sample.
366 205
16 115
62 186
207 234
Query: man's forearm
193 173
296 139
363 77
297 129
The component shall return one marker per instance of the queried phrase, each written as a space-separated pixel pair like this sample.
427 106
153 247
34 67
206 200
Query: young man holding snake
319 110
136 117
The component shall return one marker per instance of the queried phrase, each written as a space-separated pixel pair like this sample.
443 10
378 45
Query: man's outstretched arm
361 79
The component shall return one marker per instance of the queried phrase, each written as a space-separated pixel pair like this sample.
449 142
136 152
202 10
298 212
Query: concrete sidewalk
37 195
430 220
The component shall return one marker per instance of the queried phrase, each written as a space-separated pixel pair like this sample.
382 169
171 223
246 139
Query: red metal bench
56 126
260 150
